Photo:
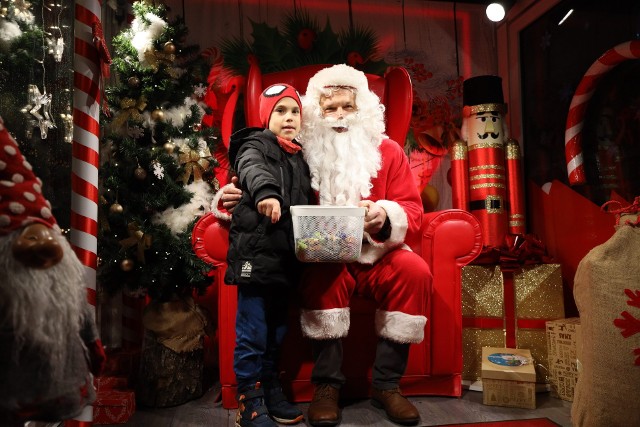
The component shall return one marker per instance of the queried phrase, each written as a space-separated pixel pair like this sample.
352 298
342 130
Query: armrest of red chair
234 87
450 240
398 108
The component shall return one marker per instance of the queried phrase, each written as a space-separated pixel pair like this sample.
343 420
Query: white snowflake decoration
200 90
135 132
55 47
158 170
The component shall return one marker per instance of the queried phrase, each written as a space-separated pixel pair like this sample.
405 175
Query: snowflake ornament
135 132
55 47
199 90
158 170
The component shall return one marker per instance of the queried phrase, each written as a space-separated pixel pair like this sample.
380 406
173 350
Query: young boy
261 258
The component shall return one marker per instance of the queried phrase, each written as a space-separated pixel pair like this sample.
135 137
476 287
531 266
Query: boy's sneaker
279 407
252 411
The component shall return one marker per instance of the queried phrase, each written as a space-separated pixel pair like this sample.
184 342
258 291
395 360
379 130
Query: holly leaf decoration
268 45
327 49
300 43
235 52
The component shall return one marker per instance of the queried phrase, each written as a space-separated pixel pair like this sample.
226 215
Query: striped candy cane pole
579 102
91 61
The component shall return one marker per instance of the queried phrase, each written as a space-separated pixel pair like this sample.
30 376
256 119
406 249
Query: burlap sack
607 294
179 325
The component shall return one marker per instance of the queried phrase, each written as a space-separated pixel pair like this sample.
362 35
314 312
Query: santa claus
48 338
353 163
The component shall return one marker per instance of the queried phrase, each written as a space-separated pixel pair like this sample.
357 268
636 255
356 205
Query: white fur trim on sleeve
325 324
399 225
400 327
214 205
398 218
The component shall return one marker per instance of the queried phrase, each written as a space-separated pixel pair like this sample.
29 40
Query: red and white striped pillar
91 61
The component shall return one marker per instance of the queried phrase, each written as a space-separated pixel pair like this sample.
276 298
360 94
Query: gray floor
207 411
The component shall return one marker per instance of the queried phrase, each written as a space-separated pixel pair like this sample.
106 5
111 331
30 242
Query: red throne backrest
394 90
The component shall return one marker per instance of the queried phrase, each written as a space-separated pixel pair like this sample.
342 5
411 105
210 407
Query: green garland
302 42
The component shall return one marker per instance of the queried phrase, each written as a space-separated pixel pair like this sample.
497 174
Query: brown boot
398 408
323 410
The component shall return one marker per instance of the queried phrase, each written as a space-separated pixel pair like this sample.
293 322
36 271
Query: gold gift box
500 312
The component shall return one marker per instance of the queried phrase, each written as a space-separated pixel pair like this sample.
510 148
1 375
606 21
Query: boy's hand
231 195
270 207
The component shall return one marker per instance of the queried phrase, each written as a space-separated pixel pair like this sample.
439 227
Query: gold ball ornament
169 47
430 198
169 147
127 264
140 173
133 81
116 208
157 115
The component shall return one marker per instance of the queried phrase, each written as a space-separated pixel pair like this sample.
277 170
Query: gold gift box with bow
504 307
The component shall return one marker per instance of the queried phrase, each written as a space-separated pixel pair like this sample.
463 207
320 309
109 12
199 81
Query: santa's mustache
344 122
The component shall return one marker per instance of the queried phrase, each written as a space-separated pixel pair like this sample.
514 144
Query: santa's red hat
21 199
271 96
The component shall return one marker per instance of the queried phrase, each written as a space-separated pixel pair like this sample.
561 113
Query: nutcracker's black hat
484 90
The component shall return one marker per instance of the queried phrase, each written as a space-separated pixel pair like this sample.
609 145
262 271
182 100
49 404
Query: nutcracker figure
486 170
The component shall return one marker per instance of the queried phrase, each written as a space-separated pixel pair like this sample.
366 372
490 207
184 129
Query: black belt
477 205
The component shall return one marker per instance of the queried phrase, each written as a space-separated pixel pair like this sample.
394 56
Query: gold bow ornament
129 109
155 58
137 237
195 162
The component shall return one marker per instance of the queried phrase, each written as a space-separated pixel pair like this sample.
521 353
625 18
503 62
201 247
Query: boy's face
285 119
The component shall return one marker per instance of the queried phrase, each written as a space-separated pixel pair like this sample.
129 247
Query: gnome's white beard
41 308
342 164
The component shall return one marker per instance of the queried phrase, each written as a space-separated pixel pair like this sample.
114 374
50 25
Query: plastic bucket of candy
328 233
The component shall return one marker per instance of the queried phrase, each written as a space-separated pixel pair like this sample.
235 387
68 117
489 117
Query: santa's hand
231 195
270 207
374 217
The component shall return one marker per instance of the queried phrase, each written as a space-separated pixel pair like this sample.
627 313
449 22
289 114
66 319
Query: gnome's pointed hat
481 94
21 199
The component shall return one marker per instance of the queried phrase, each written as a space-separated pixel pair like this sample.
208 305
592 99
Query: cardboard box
508 378
562 345
508 308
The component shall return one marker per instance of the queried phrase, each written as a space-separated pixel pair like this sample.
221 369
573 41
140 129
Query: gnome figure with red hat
49 344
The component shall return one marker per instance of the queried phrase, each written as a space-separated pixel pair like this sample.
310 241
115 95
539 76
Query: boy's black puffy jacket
261 252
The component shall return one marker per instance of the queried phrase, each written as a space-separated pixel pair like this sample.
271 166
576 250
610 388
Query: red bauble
354 58
305 39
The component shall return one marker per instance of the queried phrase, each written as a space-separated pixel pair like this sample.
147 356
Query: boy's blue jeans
261 322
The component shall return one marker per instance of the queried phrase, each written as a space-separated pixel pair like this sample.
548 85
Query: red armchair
448 241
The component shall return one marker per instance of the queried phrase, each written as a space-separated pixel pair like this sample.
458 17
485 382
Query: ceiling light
495 12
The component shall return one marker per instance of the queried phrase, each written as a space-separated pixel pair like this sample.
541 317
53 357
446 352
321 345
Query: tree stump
172 361
168 378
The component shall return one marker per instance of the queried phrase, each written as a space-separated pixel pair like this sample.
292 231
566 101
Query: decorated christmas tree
156 160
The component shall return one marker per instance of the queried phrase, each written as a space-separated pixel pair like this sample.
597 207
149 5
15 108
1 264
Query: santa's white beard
342 164
41 308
